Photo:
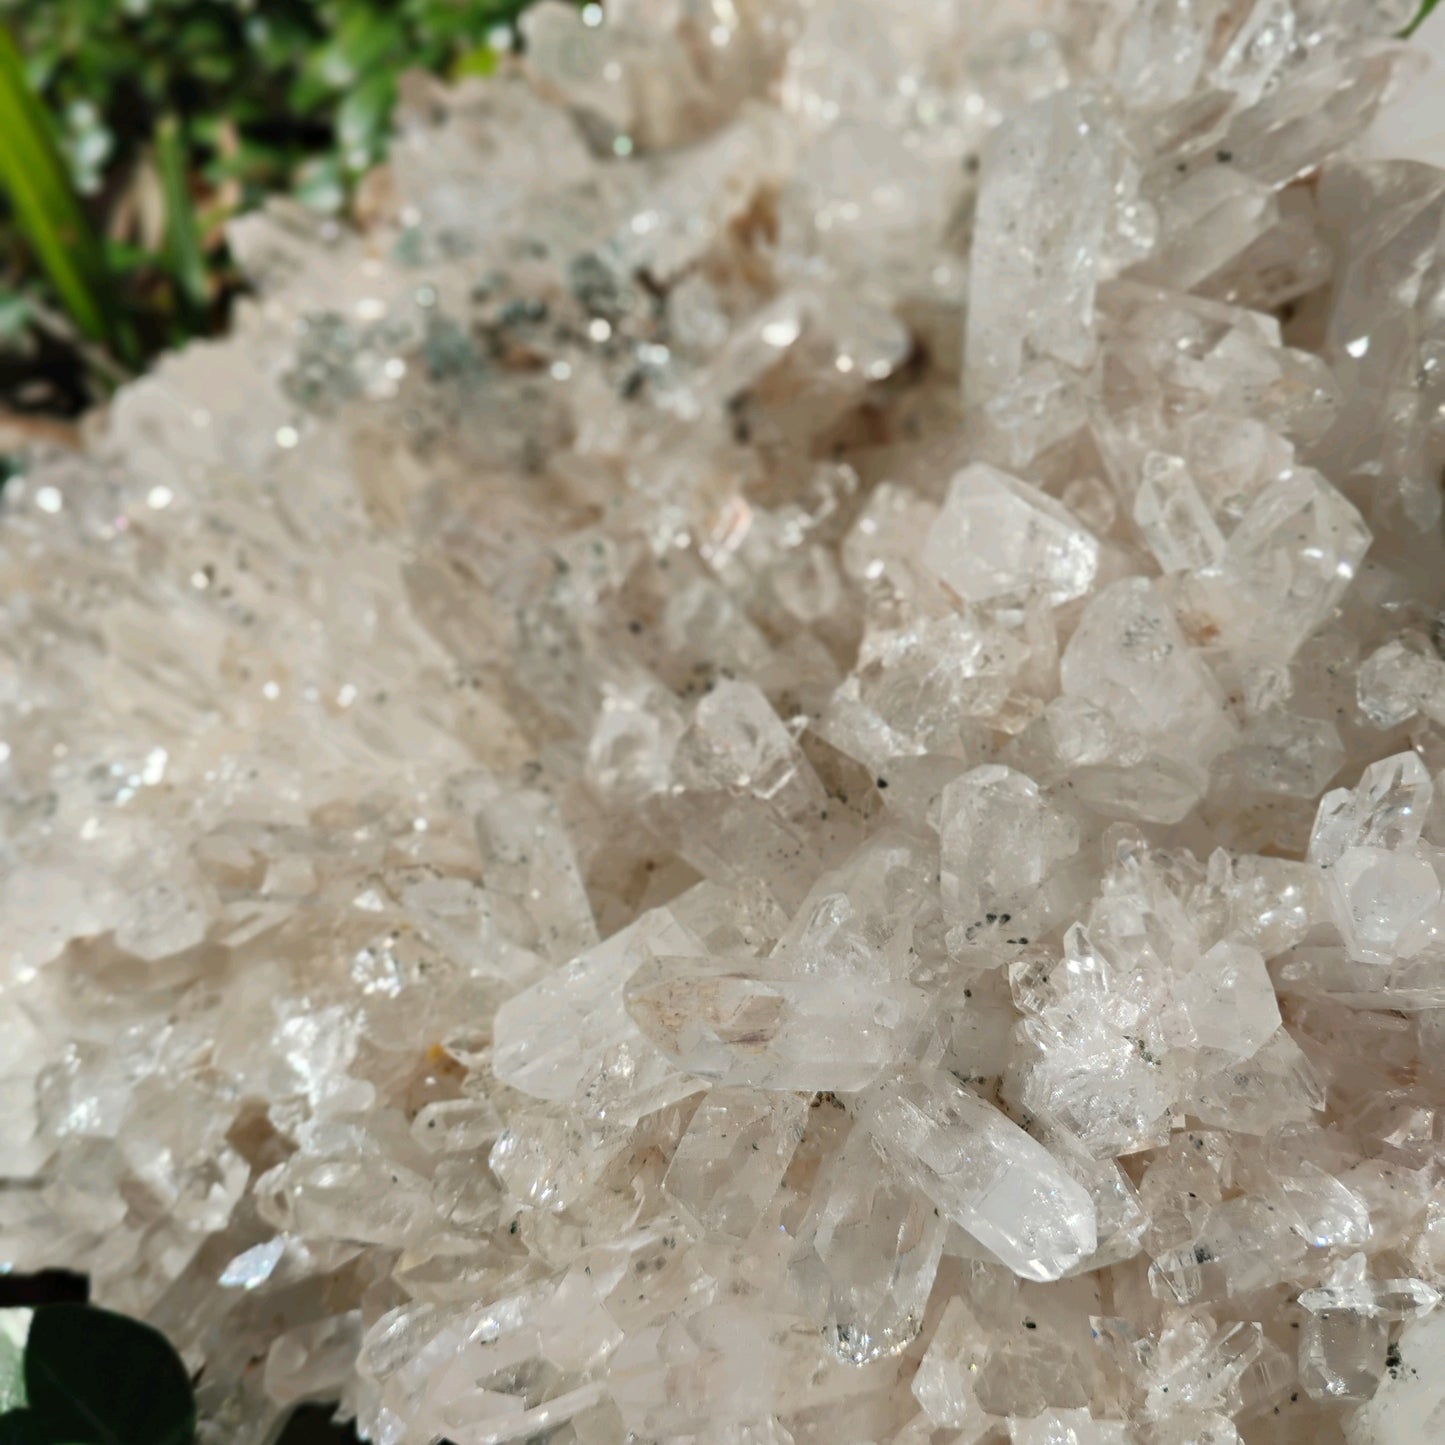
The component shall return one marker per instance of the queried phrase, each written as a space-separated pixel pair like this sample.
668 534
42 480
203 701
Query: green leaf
46 205
18 1428
22 1427
99 1377
480 61
15 317
321 184
1419 19
310 91
184 251
362 120
366 38
14 1323
122 257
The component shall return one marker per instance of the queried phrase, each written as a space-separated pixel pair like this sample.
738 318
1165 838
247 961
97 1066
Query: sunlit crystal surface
767 771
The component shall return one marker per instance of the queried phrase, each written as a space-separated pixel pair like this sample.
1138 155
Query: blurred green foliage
1421 16
169 117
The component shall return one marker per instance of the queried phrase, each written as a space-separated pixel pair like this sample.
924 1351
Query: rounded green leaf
103 1379
20 1427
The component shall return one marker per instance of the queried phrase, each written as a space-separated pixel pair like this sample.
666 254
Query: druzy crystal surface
769 770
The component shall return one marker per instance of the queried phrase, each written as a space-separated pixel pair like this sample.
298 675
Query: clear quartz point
990 1178
744 1023
999 537
1129 657
729 1163
867 1254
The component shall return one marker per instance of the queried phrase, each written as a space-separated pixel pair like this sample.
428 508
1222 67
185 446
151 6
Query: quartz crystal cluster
769 770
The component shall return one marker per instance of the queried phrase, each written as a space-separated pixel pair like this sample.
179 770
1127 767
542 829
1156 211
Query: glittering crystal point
1410 1400
1240 1245
1386 809
1069 1427
1342 1356
1114 1110
1107 767
1129 657
745 1022
1001 840
1205 1366
987 1175
1350 1287
1403 677
1314 113
1205 221
1229 1000
1046 208
946 1376
1174 518
867 1253
860 918
924 688
529 858
998 537
539 1030
1278 1085
1296 550
1323 1210
741 796
1286 755
630 752
731 1159
1381 901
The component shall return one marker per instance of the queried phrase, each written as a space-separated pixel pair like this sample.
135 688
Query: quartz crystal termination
767 771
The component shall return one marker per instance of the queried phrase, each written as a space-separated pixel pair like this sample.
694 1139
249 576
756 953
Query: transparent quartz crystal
742 1023
983 1172
944 1384
1173 517
1000 842
867 1253
1130 657
999 537
1045 206
729 1163
539 1053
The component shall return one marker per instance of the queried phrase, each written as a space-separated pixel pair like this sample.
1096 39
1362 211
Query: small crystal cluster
769 770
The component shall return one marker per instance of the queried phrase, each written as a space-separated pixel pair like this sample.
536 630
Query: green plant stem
183 240
47 207
1419 19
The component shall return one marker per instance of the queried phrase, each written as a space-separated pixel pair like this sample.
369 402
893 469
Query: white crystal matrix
770 769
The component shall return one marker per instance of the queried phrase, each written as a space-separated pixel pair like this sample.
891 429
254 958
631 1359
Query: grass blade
1419 19
46 206
184 251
